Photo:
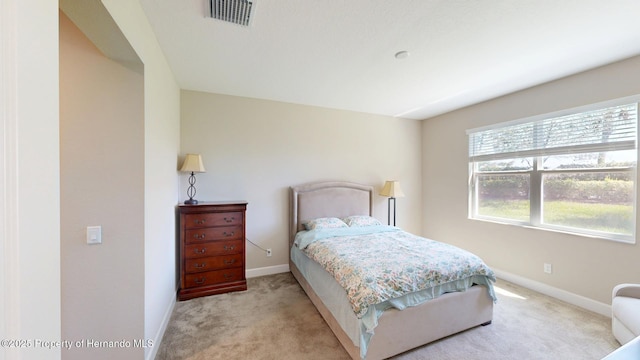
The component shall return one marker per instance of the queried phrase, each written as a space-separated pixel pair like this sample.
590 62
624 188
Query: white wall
102 179
584 266
29 244
161 148
254 150
108 23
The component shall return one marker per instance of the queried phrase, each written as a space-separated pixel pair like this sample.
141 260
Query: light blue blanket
382 267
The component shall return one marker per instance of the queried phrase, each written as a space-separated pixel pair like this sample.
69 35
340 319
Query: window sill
625 239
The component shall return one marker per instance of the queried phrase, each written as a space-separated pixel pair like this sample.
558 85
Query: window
573 171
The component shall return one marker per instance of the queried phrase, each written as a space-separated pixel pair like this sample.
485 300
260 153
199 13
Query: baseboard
153 351
571 298
269 270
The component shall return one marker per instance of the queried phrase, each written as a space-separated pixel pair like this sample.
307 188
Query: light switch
94 234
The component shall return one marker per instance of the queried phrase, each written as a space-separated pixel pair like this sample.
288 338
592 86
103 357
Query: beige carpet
274 319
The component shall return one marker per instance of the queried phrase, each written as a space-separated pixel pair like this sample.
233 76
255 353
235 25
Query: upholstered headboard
328 199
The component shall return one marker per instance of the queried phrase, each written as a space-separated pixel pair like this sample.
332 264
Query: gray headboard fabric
328 199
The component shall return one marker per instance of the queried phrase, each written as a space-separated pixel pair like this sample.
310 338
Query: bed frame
397 331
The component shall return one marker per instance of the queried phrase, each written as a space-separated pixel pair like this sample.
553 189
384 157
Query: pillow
361 220
324 223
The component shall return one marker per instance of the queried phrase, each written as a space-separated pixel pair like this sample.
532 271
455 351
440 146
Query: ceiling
340 53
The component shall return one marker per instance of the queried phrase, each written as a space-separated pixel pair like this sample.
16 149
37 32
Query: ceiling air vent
233 11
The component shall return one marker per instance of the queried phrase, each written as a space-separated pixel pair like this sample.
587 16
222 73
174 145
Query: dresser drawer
214 277
201 220
214 233
213 263
214 248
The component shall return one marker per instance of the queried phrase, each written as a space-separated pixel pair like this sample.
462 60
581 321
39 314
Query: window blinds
606 129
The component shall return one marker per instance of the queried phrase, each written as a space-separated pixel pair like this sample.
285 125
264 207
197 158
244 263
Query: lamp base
191 202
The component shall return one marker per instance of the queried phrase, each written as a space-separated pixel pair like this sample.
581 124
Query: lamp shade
392 189
193 163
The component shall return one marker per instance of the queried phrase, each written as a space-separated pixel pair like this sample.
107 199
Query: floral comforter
382 263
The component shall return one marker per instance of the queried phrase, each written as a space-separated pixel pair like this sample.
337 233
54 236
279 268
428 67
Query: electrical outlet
547 268
268 252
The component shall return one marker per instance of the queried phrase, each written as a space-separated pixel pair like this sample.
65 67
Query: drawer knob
228 276
199 221
228 234
200 280
229 262
199 236
199 266
200 251
229 247
229 220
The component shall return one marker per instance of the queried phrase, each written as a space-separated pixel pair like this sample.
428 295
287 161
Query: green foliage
503 187
607 190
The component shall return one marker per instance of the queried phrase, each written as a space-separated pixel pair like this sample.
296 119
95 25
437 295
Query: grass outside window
612 218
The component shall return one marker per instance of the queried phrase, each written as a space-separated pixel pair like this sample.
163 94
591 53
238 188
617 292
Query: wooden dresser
212 256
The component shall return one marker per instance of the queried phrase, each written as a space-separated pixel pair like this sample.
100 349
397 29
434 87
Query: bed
394 331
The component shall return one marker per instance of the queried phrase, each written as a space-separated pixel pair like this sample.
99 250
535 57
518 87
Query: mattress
346 269
330 292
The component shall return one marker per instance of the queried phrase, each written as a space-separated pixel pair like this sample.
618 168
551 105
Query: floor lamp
392 190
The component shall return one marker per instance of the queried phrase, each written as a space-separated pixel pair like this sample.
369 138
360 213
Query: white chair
625 312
